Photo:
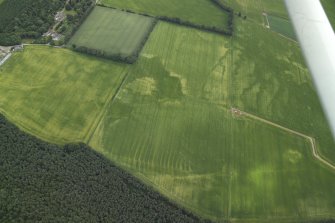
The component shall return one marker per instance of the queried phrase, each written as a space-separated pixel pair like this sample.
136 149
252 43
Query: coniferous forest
42 182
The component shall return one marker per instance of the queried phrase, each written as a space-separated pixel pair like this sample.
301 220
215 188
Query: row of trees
230 12
139 48
26 19
119 57
214 29
42 182
230 23
70 25
101 53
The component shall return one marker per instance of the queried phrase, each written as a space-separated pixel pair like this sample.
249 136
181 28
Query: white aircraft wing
317 40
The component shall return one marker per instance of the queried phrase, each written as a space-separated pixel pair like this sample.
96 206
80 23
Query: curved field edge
169 157
195 209
198 93
53 180
291 156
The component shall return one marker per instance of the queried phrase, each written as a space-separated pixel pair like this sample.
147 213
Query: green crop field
329 6
55 93
152 128
282 26
275 83
112 31
171 126
226 127
201 12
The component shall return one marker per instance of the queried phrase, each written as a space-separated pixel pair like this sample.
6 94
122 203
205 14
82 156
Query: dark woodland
42 182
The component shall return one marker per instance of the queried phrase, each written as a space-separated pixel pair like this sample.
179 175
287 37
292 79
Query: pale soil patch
183 82
145 86
293 156
169 102
149 56
223 51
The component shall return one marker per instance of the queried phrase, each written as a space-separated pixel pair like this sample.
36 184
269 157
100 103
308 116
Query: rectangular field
56 94
113 31
202 12
281 26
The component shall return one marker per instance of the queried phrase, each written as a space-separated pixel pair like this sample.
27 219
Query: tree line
42 182
70 25
119 57
26 19
230 12
214 29
230 23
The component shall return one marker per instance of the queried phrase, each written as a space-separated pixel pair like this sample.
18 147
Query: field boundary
172 197
43 136
115 56
226 32
99 118
316 154
80 22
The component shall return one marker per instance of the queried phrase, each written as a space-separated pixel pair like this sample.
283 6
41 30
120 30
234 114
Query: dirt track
315 152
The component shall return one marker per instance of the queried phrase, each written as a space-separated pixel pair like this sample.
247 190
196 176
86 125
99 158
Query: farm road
315 151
